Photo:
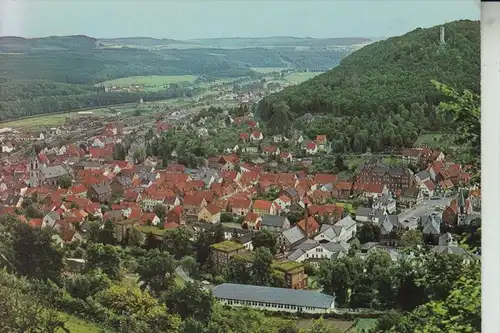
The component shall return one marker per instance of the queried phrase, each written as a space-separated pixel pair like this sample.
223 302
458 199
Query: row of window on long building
268 305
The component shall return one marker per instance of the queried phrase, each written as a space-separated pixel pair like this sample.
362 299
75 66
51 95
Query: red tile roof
262 205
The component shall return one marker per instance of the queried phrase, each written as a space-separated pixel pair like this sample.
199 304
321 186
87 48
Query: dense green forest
386 85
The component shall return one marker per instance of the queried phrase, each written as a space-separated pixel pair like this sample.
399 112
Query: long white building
274 299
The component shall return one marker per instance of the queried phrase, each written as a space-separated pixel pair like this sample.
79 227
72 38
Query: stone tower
441 36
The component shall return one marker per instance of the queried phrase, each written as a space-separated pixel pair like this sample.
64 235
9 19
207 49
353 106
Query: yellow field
153 80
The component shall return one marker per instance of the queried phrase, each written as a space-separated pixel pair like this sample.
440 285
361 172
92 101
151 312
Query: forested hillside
386 86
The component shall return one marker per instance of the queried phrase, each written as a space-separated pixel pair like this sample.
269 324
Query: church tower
462 211
34 168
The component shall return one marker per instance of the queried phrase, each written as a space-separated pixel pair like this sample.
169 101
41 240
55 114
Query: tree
34 254
466 113
339 163
104 257
65 182
139 155
160 211
190 265
459 312
338 277
236 271
261 267
133 303
178 243
265 239
107 233
193 301
86 285
369 232
156 270
412 238
135 237
119 153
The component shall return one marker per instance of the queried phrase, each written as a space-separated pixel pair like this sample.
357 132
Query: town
249 184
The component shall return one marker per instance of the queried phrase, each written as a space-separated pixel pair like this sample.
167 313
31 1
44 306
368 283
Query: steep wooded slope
389 73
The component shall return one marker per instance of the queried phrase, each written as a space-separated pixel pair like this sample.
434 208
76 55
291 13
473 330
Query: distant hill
19 44
392 72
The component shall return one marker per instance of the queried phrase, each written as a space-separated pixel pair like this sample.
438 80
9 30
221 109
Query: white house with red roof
256 136
310 147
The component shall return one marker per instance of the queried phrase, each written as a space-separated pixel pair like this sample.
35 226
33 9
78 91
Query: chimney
306 222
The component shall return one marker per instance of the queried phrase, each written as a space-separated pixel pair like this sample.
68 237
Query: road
179 271
425 207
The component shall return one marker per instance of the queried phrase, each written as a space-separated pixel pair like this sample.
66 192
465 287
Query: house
431 228
151 200
427 187
240 207
286 157
447 239
349 226
50 219
278 138
365 214
264 207
321 142
256 136
395 178
309 226
290 238
293 273
120 184
252 221
422 176
388 224
311 148
273 299
174 216
331 233
99 192
192 205
7 147
150 219
411 196
444 188
223 252
210 213
314 252
275 223
244 137
270 151
283 201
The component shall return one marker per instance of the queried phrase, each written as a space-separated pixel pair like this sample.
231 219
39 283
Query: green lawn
267 69
299 77
363 324
153 80
76 325
154 230
435 140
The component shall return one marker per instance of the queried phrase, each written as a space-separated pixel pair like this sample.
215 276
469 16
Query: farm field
299 77
76 325
267 69
153 80
42 120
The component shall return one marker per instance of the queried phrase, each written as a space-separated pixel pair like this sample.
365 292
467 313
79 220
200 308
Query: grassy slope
76 325
151 80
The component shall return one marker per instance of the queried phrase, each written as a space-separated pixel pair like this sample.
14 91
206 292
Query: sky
191 19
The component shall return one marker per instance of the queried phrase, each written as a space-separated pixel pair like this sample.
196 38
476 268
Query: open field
153 80
435 140
362 324
76 325
342 324
267 69
43 120
299 77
